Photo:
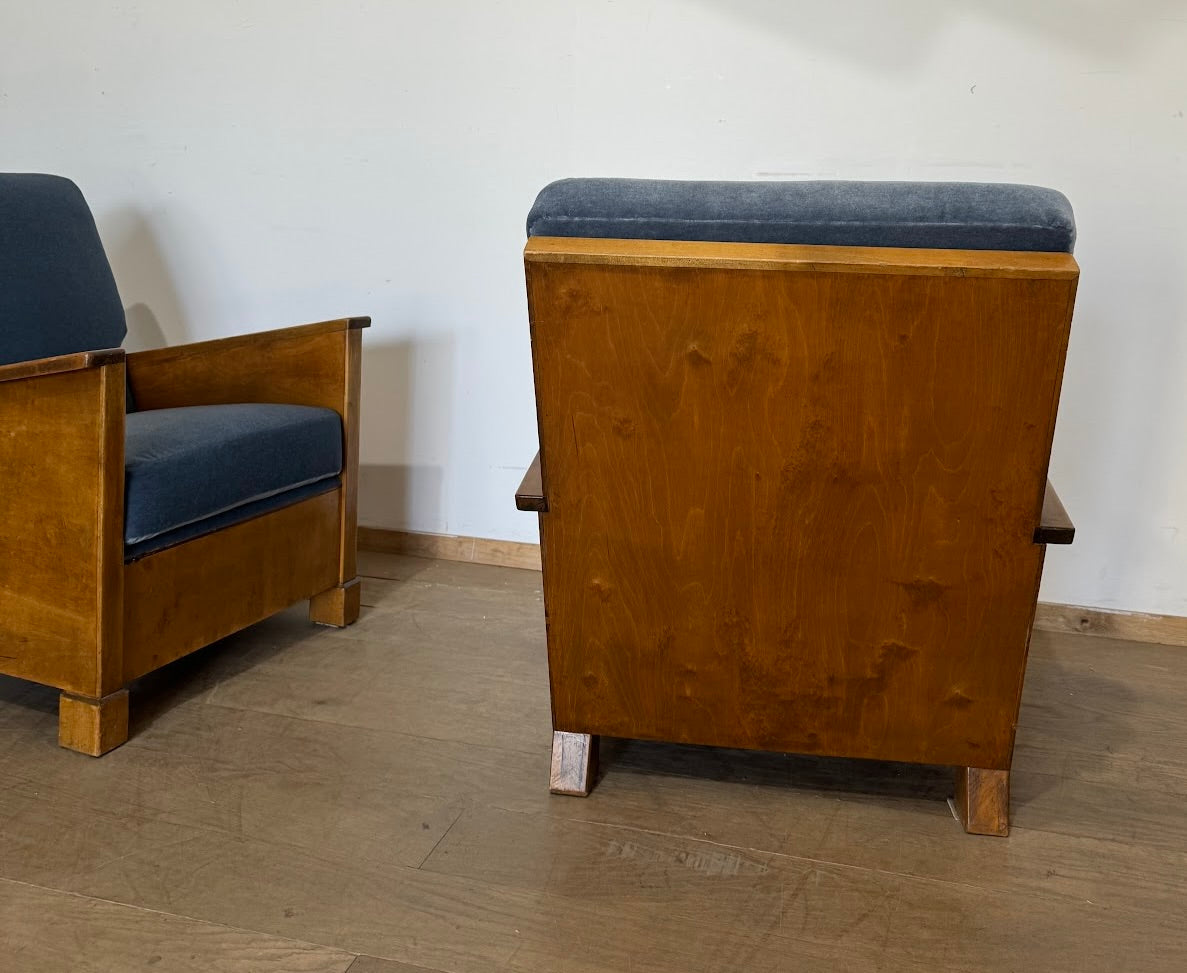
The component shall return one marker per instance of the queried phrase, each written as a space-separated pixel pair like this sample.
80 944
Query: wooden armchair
792 474
158 501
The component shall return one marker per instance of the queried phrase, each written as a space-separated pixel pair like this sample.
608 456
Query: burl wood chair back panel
793 490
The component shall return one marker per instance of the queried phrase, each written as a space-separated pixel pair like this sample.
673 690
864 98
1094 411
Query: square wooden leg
338 607
93 726
983 800
574 763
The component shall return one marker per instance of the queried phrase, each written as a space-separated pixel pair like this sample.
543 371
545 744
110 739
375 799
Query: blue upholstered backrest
57 294
940 215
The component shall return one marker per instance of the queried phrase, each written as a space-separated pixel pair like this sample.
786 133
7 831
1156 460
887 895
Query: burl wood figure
792 479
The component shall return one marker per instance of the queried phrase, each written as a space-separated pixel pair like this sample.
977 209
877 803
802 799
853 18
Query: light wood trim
109 534
982 801
794 257
530 495
574 764
93 726
60 364
337 607
304 365
478 550
349 512
1112 624
1055 526
195 593
241 342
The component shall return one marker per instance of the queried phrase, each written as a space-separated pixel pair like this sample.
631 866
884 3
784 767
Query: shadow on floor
872 777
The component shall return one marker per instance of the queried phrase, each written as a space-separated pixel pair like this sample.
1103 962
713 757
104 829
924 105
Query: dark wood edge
530 495
1055 526
255 338
60 364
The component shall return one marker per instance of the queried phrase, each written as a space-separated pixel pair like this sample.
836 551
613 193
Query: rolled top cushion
939 215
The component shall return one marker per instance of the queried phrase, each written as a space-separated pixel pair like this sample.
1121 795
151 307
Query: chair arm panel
1055 526
60 364
61 521
530 495
304 365
313 364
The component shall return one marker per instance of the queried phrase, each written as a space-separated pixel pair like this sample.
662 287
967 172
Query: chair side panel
794 510
52 517
185 597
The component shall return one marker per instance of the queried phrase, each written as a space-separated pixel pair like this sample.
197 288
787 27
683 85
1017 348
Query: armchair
791 484
154 502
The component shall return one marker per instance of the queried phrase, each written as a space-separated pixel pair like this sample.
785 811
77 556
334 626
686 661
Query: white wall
254 163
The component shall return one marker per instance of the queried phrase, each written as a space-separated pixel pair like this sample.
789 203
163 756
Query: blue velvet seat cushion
184 466
228 518
940 215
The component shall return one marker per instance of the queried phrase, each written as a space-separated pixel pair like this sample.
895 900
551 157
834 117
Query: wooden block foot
338 607
574 763
93 726
982 800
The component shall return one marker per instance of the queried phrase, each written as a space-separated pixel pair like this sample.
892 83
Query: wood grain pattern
351 391
793 507
58 577
1112 624
574 763
1055 526
477 550
983 801
60 364
337 607
304 365
109 534
1050 616
46 931
530 495
188 596
898 261
93 726
372 964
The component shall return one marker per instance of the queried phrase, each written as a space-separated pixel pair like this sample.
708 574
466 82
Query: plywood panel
188 596
793 507
61 451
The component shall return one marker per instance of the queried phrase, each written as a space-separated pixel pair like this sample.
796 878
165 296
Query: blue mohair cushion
57 294
229 518
182 466
940 215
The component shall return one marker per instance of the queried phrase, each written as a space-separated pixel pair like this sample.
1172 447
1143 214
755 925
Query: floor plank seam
176 915
372 729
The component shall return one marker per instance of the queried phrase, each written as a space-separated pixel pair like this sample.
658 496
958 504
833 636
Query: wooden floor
375 799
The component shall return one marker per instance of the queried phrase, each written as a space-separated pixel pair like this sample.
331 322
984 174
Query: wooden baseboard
1130 626
479 550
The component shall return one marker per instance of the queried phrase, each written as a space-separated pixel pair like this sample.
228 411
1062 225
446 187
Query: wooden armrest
1055 526
303 365
530 495
60 364
62 539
